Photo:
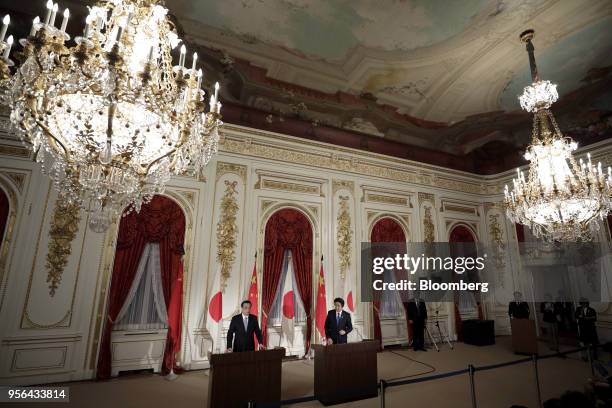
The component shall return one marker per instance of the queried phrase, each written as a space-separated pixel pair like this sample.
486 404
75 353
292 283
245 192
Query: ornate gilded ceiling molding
238 169
64 227
344 235
227 231
395 171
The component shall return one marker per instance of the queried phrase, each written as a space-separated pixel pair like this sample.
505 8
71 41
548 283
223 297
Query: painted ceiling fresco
566 63
328 29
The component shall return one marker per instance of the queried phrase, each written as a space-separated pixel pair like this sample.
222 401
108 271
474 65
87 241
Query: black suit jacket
417 314
518 310
332 329
243 339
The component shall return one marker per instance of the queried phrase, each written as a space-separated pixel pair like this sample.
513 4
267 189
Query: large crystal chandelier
561 199
110 118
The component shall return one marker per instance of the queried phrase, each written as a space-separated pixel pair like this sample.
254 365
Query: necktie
337 319
246 322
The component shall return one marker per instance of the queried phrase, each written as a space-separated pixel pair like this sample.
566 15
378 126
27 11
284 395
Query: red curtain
386 230
4 213
161 221
287 229
461 234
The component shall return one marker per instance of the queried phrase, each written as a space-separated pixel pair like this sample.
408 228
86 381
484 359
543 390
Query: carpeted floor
495 388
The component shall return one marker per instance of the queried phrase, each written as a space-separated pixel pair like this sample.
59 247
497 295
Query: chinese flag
321 303
254 295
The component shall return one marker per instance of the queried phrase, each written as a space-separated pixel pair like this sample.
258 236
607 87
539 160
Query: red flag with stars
321 303
254 295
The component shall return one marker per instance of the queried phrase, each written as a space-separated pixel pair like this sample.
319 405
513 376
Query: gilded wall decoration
64 227
344 235
224 168
379 198
338 185
17 178
227 231
287 186
17 151
428 226
426 197
499 247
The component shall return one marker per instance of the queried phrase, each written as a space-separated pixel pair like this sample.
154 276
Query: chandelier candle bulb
182 56
87 26
5 22
195 60
7 50
35 23
53 14
199 78
49 11
65 20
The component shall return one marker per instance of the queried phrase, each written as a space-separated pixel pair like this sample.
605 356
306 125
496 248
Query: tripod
443 336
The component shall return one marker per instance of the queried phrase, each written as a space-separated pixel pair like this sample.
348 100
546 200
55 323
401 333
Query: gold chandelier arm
54 139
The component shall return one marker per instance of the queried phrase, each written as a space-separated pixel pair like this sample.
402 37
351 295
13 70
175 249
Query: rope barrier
384 384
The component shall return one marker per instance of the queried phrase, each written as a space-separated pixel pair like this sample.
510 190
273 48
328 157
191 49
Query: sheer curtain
275 312
144 307
391 305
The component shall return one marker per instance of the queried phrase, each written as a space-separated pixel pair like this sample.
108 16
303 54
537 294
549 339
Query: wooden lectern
345 372
237 378
524 340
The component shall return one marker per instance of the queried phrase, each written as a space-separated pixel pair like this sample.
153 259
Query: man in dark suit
587 331
417 317
338 323
241 330
518 309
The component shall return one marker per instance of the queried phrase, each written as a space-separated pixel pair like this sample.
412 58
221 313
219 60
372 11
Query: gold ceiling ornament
227 231
111 118
344 235
561 199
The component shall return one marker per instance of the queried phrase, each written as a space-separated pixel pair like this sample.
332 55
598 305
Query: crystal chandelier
561 199
110 118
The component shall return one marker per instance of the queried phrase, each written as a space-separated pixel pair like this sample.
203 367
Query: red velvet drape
461 234
161 221
4 213
386 230
287 229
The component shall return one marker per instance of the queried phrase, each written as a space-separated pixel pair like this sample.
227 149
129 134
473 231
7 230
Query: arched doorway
145 293
5 210
288 249
463 243
390 324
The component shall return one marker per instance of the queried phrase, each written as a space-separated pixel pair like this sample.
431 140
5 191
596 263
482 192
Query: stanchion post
590 356
471 371
537 379
250 404
381 392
